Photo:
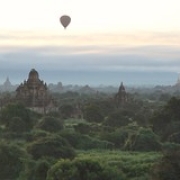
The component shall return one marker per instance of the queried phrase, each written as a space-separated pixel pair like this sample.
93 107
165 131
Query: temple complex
34 94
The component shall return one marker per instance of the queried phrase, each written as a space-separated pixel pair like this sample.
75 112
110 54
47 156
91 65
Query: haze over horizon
102 78
136 42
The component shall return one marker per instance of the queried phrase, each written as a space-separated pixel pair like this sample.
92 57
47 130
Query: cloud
145 52
91 69
140 58
75 39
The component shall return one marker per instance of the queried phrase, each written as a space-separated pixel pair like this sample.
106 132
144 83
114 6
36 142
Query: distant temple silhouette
34 94
7 86
121 96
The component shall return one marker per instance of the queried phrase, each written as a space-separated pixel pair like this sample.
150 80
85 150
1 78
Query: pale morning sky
103 36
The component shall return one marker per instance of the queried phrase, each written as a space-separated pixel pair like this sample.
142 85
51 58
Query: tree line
47 146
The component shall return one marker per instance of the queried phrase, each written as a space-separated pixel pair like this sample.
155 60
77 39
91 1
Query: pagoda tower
121 96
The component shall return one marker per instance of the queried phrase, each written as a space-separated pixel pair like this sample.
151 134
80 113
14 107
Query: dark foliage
17 125
117 137
20 113
82 169
66 111
92 113
166 121
117 119
82 128
11 161
36 170
51 146
175 138
85 142
143 140
168 168
50 124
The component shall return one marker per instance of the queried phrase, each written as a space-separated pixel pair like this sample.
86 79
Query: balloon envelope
65 20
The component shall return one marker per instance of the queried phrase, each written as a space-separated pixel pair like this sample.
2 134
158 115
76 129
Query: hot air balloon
65 20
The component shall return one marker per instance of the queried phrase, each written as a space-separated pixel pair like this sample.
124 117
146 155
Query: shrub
92 113
82 169
117 137
51 146
50 124
11 161
82 128
85 142
66 111
16 112
116 119
168 146
143 140
17 125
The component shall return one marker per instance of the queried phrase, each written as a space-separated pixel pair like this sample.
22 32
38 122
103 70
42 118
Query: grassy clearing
71 122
